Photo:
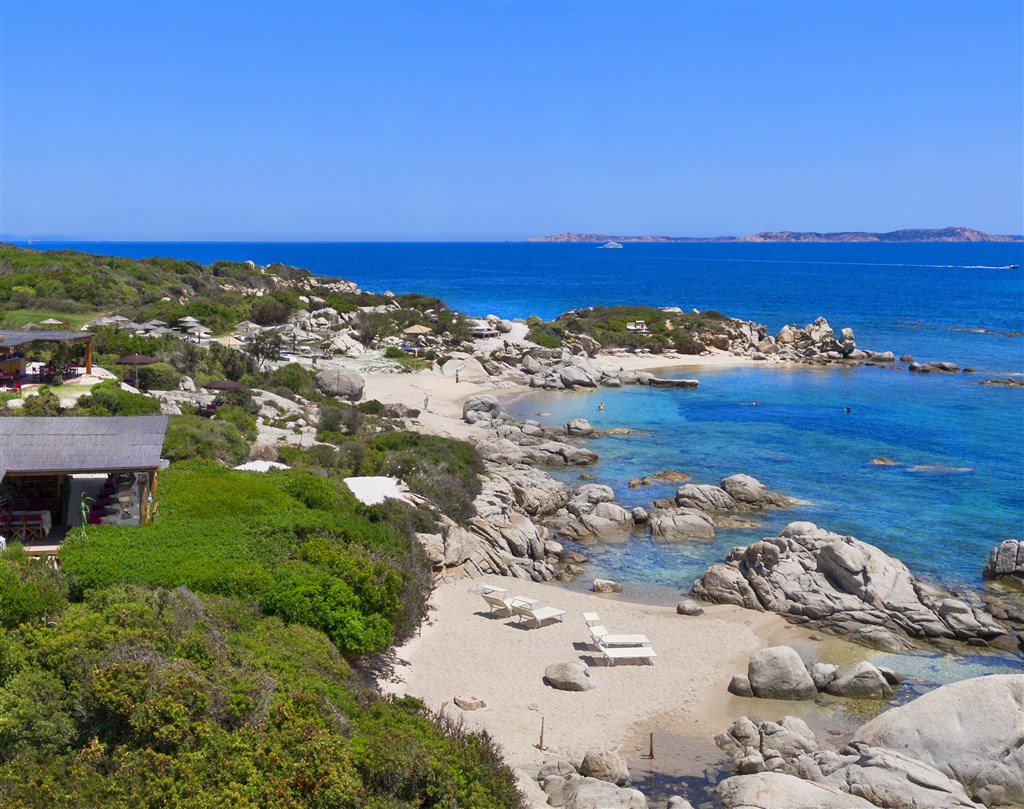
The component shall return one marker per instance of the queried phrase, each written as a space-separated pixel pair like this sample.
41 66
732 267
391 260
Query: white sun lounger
603 637
536 615
499 601
613 653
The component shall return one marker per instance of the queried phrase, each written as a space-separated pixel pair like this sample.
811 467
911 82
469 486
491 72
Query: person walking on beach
426 403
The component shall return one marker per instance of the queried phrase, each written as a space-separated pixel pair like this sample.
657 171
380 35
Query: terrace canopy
11 340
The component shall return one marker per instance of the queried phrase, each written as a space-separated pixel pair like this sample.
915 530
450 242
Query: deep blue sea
959 487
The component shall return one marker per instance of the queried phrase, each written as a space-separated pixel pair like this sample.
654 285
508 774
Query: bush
244 422
338 421
44 403
270 312
291 380
394 353
159 376
193 437
443 470
109 399
30 590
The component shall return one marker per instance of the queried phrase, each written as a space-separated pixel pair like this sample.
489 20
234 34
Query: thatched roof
74 444
16 337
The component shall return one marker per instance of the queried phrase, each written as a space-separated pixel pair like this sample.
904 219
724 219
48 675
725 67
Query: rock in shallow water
779 673
844 585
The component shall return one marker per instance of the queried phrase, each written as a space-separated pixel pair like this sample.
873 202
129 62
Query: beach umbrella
119 318
101 321
223 384
247 325
155 322
137 360
229 341
417 330
52 321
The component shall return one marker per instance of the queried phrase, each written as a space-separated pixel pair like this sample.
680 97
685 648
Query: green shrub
443 470
194 437
30 589
244 422
543 339
109 399
394 353
159 376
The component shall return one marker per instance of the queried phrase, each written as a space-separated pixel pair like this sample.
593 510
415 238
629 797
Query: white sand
651 362
463 651
438 398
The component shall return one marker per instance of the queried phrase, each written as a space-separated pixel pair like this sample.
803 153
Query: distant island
952 234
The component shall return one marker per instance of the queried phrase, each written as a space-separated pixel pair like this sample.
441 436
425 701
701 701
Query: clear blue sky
338 121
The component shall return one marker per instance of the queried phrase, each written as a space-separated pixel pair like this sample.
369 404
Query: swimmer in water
601 406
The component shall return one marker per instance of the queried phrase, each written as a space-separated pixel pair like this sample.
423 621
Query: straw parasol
137 360
52 321
247 326
417 330
229 341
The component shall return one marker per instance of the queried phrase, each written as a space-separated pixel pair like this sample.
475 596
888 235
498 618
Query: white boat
608 245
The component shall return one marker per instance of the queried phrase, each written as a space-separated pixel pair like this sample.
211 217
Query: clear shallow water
934 301
957 491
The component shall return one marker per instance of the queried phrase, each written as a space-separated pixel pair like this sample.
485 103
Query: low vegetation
202 660
218 656
146 696
632 327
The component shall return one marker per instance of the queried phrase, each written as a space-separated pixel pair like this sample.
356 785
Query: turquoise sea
959 486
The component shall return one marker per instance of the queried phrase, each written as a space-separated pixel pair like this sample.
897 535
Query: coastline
462 650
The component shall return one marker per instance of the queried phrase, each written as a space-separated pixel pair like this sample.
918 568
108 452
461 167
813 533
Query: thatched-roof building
40 457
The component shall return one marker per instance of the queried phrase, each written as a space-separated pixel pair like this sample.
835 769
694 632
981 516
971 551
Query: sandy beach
440 398
462 650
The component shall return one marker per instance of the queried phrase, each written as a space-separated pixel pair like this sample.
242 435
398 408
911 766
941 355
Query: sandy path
463 651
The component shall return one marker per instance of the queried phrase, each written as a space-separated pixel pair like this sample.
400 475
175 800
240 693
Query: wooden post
88 356
143 498
541 745
652 745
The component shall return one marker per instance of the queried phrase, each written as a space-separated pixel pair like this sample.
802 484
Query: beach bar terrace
14 366
49 466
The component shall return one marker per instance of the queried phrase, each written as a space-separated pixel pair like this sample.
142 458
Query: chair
602 637
498 601
536 615
30 526
613 653
591 618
